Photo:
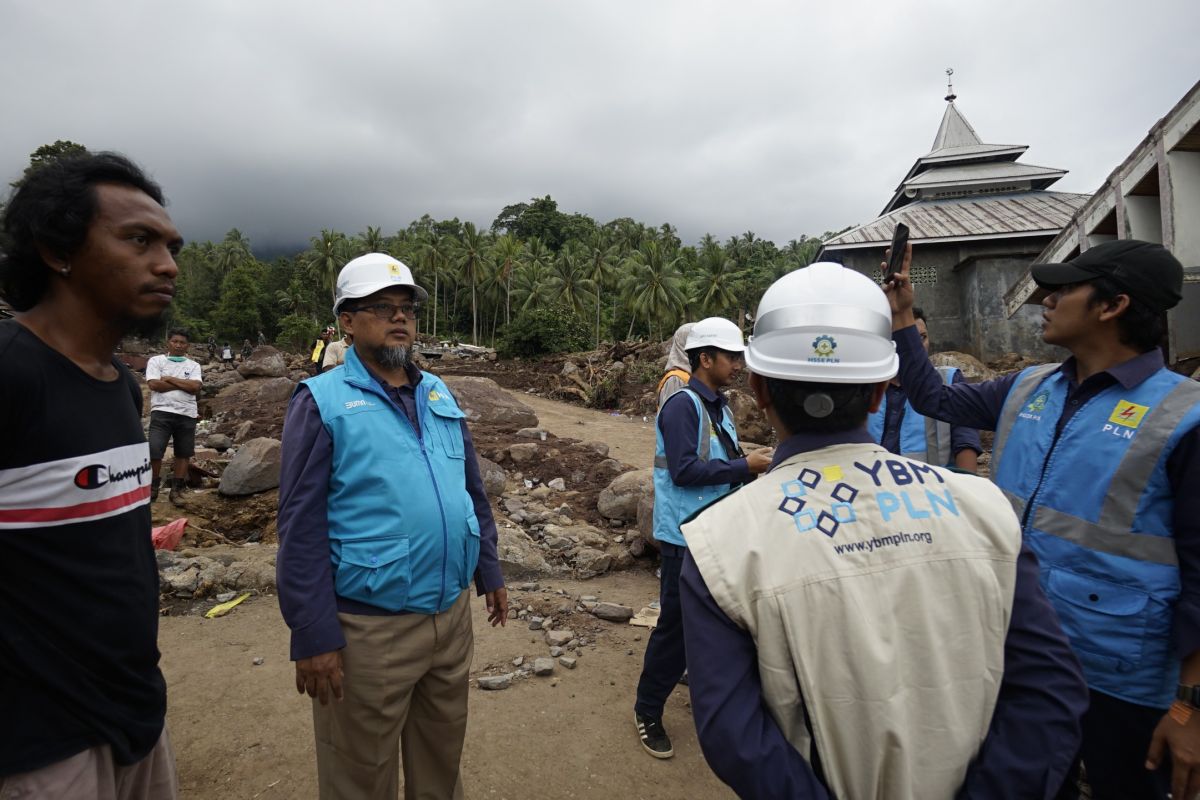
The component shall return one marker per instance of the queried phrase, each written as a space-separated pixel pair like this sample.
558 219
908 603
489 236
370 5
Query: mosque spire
950 95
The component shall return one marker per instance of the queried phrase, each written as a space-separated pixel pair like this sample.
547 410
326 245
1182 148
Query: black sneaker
683 680
654 736
176 494
154 492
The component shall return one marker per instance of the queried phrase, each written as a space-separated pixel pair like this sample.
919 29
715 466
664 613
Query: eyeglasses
387 311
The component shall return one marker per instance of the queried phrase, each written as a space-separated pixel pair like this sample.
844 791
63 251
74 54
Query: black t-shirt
78 578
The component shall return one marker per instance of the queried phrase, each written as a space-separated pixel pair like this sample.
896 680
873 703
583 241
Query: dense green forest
536 267
538 279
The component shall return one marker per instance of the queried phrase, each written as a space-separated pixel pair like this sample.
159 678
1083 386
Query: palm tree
371 241
653 286
568 281
472 248
433 252
531 284
329 253
232 252
715 288
601 262
507 252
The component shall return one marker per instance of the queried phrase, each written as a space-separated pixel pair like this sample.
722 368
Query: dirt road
629 438
241 731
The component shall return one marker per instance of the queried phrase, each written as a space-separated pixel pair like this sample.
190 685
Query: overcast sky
280 118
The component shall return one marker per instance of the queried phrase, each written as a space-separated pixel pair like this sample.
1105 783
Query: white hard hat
824 324
368 274
715 332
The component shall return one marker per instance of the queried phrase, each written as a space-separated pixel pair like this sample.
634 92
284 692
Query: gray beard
392 357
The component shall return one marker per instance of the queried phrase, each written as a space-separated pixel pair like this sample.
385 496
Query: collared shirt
979 405
680 423
961 437
1034 729
303 494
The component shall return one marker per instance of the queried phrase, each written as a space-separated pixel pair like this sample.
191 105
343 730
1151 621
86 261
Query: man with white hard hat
383 524
696 460
860 624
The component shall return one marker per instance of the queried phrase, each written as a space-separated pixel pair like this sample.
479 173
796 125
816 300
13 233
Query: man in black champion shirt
89 255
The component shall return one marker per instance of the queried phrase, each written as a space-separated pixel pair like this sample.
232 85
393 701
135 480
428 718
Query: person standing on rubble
1100 458
678 369
860 624
900 429
697 459
89 257
383 525
174 381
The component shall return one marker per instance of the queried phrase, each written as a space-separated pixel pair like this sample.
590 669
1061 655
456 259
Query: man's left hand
1184 743
497 606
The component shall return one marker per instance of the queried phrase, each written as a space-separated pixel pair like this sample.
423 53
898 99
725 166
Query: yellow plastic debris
225 608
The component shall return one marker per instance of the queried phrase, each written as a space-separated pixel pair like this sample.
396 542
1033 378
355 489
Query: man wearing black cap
1100 457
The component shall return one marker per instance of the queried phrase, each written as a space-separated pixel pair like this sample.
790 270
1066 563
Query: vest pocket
375 571
471 546
446 433
1105 622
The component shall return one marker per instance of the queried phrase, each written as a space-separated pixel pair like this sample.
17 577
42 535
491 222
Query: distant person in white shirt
335 352
227 356
174 381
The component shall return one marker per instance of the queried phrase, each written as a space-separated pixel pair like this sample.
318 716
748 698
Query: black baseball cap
1146 271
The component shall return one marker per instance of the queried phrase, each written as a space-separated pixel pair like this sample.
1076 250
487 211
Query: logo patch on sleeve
434 396
1128 414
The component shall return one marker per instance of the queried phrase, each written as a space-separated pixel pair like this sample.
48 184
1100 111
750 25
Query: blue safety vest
672 503
402 527
1095 506
921 438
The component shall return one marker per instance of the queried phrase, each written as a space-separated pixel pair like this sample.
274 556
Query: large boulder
972 368
589 563
485 402
752 425
245 394
255 468
619 500
217 378
264 362
520 557
495 479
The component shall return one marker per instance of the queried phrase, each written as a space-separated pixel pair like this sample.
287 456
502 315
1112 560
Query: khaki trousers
405 686
93 775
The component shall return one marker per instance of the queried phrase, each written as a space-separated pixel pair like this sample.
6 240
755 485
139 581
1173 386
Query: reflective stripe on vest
674 503
931 436
660 462
1017 397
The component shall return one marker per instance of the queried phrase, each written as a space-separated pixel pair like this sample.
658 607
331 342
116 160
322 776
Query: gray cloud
281 118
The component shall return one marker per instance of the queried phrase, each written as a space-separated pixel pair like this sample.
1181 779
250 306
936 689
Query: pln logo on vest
823 350
1124 419
1036 406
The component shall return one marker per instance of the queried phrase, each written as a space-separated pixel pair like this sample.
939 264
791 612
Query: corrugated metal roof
1002 215
954 131
973 151
984 172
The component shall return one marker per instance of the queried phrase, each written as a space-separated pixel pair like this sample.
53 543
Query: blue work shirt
1032 739
679 423
979 405
305 574
961 436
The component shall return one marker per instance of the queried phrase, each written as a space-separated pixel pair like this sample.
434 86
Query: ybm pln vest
1095 505
672 503
923 438
878 591
402 526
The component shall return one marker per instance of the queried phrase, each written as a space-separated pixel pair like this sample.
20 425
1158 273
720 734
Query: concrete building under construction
1153 195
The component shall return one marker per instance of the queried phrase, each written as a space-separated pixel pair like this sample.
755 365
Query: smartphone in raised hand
896 256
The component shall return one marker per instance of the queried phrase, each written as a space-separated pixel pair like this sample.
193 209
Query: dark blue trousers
1116 736
666 659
